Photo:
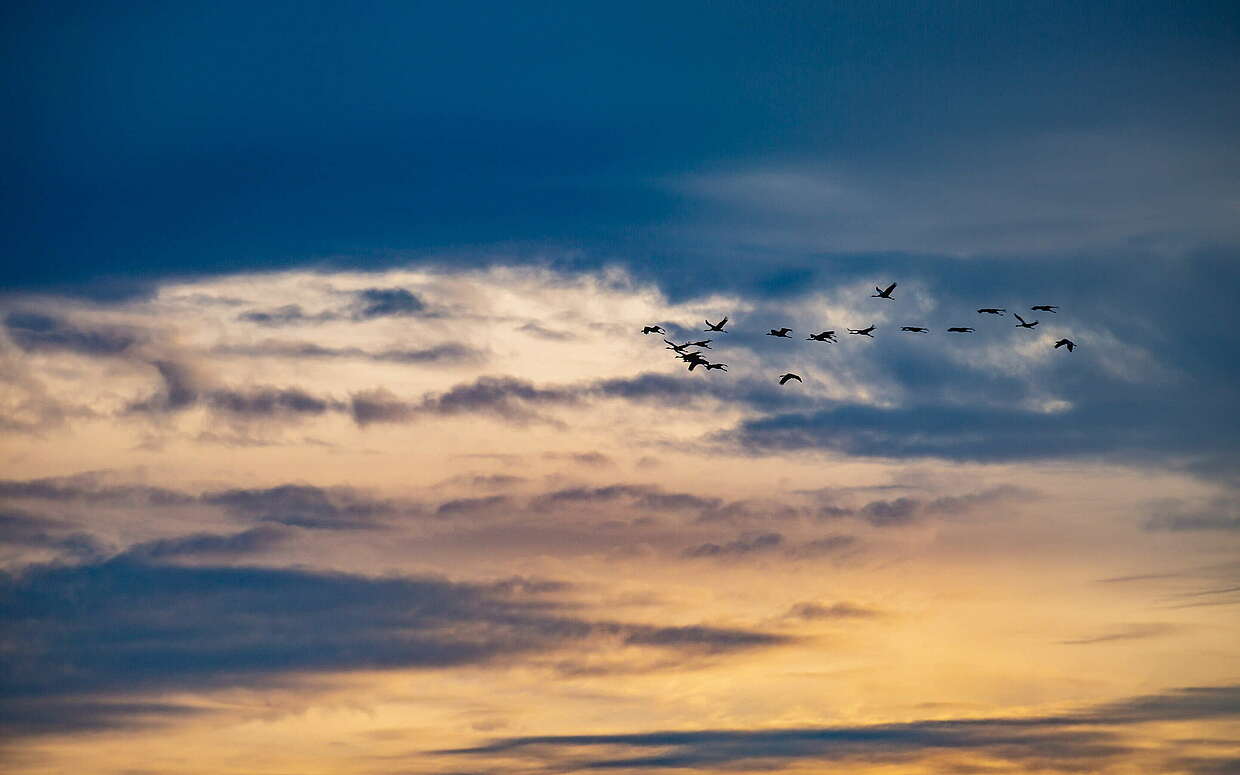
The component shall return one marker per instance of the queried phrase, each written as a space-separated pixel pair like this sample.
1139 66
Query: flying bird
780 332
785 377
883 293
716 326
704 343
914 329
679 348
825 336
961 330
653 330
1046 308
1022 323
863 331
721 366
1071 345
991 311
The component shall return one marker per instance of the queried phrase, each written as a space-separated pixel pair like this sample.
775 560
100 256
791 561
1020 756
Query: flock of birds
695 358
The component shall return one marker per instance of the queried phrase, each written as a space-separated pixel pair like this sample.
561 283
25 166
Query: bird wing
889 289
1018 317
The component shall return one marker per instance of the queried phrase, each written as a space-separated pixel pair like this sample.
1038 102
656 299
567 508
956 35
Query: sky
331 442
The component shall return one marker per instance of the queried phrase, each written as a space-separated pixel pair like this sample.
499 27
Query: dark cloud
595 459
817 611
822 547
387 302
956 504
506 398
92 488
1221 513
900 511
367 304
298 505
741 546
442 353
30 531
44 715
180 389
639 496
1127 632
289 314
268 402
471 505
707 639
1074 742
211 545
123 626
380 405
36 332
305 506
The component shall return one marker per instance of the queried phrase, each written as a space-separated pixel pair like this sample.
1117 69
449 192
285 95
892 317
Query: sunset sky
331 442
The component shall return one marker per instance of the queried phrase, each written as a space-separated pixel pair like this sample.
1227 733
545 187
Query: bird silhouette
1046 308
914 329
883 293
704 343
721 366
780 332
991 311
694 364
961 330
679 348
863 331
653 330
716 326
825 336
1022 323
1071 345
785 377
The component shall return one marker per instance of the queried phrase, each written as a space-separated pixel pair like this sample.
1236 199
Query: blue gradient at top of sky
144 140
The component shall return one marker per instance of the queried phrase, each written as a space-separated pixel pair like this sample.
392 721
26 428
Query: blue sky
150 140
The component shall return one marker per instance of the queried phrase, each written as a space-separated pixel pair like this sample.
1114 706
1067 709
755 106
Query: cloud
297 505
252 541
305 506
37 332
289 314
1220 513
471 505
387 302
817 611
124 627
451 352
367 304
1127 632
180 389
268 402
506 398
639 496
35 532
739 547
821 547
542 332
1071 742
900 511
